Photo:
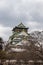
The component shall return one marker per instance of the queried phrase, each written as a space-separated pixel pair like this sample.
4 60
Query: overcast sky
12 12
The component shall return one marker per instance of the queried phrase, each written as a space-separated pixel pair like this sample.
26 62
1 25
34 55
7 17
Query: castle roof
21 25
23 33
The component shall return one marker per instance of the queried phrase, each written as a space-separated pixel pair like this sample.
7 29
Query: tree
1 43
1 40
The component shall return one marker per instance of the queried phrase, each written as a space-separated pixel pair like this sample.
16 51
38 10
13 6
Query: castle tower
20 28
20 33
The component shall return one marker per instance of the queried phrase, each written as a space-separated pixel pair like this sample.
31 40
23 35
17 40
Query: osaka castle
19 37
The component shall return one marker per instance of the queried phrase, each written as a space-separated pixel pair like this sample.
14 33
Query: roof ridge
21 25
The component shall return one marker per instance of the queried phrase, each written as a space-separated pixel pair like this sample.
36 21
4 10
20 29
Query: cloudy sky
12 12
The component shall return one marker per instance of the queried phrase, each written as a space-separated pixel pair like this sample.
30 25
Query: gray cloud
13 11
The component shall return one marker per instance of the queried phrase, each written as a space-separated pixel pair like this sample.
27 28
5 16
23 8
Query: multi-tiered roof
20 27
19 37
